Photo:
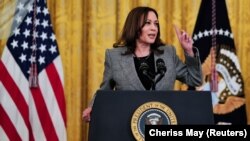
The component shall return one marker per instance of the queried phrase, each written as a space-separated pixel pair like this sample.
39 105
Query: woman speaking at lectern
141 61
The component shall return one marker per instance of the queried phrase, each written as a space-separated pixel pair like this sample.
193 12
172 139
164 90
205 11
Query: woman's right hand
86 114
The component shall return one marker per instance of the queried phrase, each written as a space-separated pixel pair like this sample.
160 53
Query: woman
132 63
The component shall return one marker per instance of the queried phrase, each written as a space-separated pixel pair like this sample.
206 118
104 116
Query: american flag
32 113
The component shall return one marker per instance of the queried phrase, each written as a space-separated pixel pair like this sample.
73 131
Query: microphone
161 69
144 68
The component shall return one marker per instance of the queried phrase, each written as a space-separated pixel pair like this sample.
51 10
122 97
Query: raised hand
185 40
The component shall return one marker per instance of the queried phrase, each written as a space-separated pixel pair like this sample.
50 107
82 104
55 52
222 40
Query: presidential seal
151 113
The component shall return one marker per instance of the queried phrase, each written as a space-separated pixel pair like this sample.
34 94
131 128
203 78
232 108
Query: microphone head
160 65
144 67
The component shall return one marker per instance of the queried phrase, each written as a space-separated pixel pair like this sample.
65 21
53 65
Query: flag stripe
51 102
3 136
44 116
35 122
57 88
59 67
14 115
16 97
15 74
8 127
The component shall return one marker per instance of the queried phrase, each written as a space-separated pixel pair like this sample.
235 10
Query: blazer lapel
130 72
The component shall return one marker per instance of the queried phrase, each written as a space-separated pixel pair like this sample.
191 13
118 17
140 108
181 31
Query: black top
149 60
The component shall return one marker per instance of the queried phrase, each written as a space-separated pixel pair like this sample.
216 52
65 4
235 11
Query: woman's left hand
185 40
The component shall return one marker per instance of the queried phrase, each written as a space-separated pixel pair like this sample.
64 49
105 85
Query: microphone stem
150 78
153 85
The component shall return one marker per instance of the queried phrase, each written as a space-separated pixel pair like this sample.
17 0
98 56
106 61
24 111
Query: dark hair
132 29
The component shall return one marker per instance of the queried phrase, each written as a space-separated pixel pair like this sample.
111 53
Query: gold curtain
85 28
